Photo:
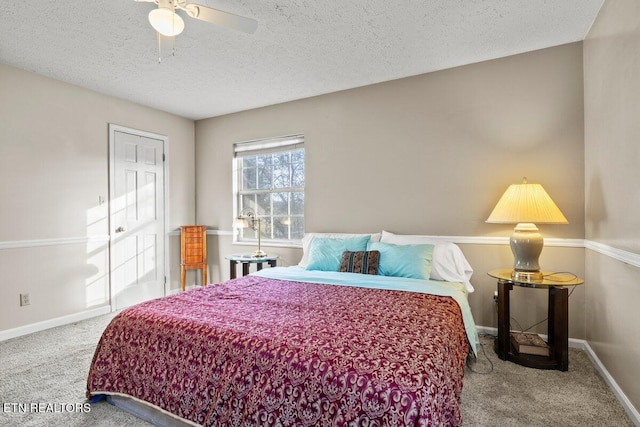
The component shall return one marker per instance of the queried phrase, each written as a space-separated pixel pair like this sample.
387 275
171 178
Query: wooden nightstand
246 261
558 319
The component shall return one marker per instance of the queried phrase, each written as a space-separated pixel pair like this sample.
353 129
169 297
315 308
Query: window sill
295 245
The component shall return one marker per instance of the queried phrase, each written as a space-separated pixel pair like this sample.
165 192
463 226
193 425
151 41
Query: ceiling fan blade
224 19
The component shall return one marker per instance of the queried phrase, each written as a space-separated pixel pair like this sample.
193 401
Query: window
269 179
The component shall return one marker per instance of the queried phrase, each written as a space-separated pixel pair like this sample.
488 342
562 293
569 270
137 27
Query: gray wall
53 168
429 154
612 155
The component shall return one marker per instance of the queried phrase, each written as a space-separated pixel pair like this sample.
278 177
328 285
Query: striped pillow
365 262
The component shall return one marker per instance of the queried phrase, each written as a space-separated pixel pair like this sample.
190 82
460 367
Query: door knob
120 230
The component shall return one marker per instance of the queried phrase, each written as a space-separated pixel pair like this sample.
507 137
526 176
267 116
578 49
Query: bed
292 346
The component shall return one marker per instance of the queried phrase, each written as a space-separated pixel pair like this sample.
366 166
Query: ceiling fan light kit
166 22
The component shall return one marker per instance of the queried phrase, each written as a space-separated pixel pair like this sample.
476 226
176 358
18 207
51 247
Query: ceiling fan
167 22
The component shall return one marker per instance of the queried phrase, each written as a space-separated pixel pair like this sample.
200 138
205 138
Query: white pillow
448 262
308 238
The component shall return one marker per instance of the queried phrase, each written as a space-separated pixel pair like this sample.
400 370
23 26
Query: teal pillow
326 253
412 261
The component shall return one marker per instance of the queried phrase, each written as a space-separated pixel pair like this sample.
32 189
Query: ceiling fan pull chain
159 49
169 46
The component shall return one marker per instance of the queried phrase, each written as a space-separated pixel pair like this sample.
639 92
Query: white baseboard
52 323
486 330
613 385
604 373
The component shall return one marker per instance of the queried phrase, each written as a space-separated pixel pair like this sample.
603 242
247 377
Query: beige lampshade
526 203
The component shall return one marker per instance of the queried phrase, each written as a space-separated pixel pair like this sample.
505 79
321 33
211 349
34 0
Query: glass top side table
246 260
557 285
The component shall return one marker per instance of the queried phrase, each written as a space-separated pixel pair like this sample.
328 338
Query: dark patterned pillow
360 262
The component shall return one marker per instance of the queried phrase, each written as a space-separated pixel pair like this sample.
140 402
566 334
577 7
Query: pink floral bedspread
263 352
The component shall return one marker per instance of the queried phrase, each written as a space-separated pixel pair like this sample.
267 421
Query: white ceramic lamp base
526 244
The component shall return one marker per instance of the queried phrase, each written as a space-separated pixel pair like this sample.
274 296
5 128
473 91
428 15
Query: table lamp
248 219
525 204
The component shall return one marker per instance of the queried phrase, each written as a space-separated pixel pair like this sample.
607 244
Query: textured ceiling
301 48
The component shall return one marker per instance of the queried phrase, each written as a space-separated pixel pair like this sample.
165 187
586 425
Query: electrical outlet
24 300
495 297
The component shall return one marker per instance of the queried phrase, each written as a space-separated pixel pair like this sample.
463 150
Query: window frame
263 147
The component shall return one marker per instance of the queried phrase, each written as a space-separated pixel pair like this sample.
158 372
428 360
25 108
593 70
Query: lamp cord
573 276
543 320
472 359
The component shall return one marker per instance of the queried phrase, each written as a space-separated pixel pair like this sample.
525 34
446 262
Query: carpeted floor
513 395
50 368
